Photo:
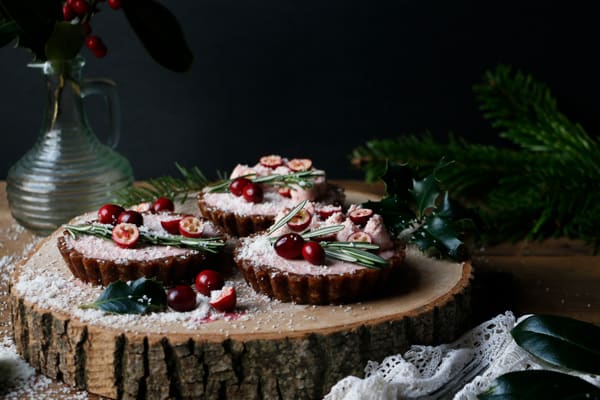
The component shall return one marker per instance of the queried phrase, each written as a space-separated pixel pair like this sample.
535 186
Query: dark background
315 78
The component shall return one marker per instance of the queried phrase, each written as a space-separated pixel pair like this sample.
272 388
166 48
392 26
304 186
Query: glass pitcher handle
108 89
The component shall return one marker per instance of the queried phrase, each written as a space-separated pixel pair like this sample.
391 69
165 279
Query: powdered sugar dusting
271 204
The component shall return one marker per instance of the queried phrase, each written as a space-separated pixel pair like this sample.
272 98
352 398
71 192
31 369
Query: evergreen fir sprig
192 180
211 245
303 179
545 186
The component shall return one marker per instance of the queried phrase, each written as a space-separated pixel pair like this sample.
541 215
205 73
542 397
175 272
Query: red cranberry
171 225
68 13
97 47
300 221
360 237
79 7
125 235
162 204
236 187
131 217
109 213
360 216
181 298
191 227
289 246
253 193
271 161
208 280
285 192
226 300
327 211
313 253
114 4
300 164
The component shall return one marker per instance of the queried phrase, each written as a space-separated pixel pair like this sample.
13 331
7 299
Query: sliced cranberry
313 253
131 217
300 221
142 207
109 213
191 227
327 211
181 298
300 164
360 236
172 225
162 204
285 192
360 216
209 280
289 246
125 235
253 193
225 301
236 187
271 161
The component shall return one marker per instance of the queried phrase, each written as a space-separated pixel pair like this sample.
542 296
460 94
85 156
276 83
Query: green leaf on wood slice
538 385
160 33
561 341
138 297
65 42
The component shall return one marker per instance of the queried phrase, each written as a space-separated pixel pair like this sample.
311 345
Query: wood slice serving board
267 350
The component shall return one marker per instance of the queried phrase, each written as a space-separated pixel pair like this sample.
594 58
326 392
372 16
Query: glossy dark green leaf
538 385
561 341
9 30
65 42
438 232
160 33
425 193
138 297
396 214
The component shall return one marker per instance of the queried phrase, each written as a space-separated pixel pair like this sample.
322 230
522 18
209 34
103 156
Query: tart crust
343 288
245 225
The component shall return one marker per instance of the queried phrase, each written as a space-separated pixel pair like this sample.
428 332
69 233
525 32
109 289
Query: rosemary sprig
287 217
304 180
326 230
211 245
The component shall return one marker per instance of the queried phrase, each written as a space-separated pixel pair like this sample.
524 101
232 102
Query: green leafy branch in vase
545 187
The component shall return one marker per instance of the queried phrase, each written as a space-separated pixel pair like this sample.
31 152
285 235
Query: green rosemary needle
302 179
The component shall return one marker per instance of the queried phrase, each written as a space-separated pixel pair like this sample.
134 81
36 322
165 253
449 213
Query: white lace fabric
459 370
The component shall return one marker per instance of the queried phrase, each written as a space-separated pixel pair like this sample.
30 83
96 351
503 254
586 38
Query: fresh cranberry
328 211
191 227
300 221
131 217
360 216
79 7
226 300
253 193
171 225
360 237
142 207
125 235
209 280
68 13
181 298
109 213
271 161
114 4
95 44
162 204
300 164
289 246
313 253
236 187
285 192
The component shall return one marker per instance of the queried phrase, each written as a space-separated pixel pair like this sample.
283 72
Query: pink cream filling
261 252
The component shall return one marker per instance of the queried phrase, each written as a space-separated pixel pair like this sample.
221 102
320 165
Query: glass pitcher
68 171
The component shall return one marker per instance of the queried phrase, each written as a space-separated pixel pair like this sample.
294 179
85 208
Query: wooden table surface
555 277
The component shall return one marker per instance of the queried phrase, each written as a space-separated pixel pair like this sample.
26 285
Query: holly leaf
138 297
561 341
439 233
395 212
160 33
538 384
65 42
425 192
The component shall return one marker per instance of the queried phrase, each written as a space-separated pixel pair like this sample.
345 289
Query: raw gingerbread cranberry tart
126 245
309 257
251 198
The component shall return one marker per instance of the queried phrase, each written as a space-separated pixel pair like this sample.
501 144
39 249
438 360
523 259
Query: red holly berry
253 193
237 186
109 213
300 221
226 300
181 298
95 44
289 246
313 253
114 4
125 235
79 7
131 217
209 280
68 13
162 204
